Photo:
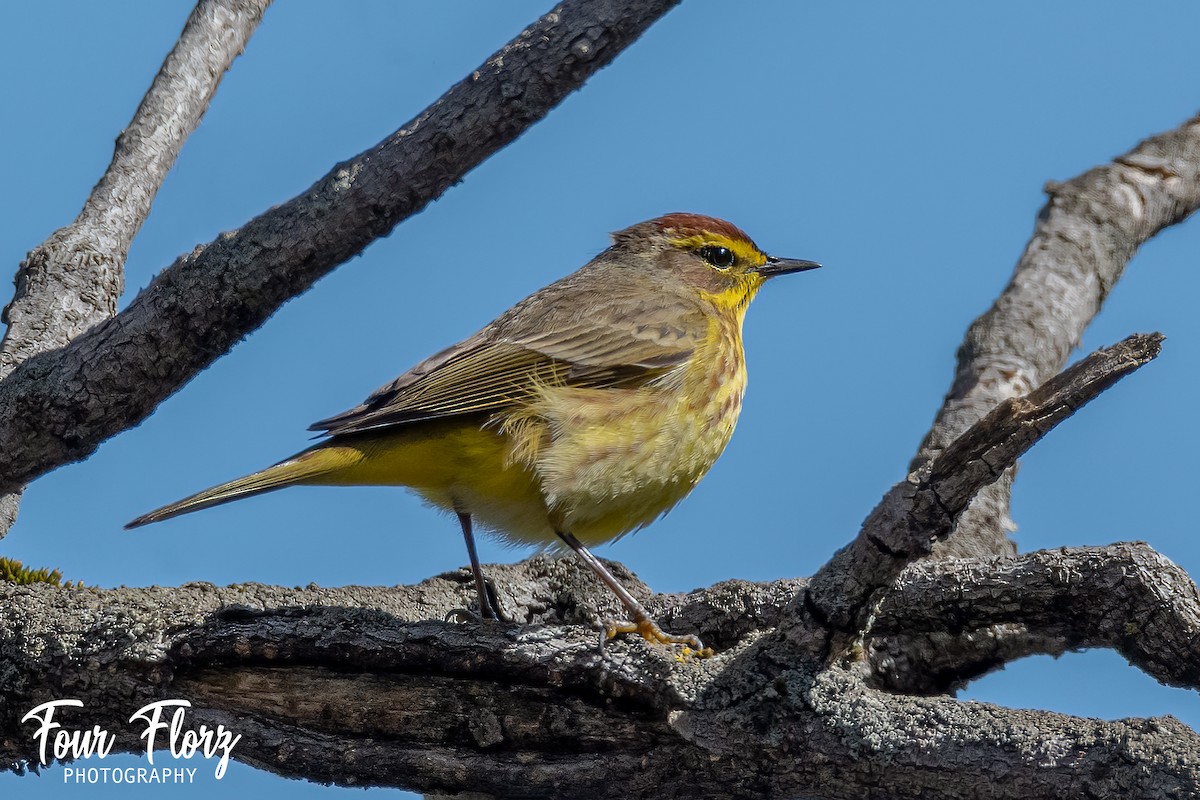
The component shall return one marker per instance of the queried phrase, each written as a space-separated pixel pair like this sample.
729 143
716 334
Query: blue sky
904 146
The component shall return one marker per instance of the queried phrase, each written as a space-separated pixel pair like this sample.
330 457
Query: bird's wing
608 331
536 343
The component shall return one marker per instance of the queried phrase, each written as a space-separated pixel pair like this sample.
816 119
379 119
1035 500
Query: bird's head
709 255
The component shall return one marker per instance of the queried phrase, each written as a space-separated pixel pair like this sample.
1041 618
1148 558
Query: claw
488 610
642 624
492 603
691 646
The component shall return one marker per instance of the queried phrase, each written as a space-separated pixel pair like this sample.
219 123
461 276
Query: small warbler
584 412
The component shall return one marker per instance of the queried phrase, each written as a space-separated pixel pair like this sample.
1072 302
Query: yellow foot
649 630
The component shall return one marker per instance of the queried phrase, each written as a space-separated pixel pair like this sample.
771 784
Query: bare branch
924 509
1125 596
73 280
938 663
880 745
58 407
1089 229
240 650
535 710
994 444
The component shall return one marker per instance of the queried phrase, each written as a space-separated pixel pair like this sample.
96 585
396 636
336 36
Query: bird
583 413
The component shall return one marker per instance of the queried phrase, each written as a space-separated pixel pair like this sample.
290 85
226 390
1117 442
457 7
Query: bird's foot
648 629
489 609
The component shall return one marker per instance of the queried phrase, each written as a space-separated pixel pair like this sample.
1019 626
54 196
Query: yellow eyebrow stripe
745 252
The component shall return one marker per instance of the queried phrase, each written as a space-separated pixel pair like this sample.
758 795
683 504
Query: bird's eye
719 257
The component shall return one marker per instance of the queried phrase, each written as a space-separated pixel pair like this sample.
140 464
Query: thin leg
485 600
642 623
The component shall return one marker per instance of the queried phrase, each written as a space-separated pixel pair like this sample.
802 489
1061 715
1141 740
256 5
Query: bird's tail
306 467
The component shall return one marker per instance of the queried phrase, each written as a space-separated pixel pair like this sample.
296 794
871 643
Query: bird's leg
641 622
488 603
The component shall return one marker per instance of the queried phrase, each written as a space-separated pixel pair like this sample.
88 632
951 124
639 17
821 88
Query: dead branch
1126 597
1083 238
73 280
366 686
924 509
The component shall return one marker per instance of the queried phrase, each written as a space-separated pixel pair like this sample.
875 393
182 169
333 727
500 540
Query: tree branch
73 280
57 407
540 709
1089 229
923 509
1126 597
363 685
888 746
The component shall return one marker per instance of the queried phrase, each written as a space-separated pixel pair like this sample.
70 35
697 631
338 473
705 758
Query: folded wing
539 342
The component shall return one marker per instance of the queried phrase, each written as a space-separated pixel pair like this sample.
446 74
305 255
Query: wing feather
619 340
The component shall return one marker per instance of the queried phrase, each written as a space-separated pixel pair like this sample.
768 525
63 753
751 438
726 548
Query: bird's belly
616 460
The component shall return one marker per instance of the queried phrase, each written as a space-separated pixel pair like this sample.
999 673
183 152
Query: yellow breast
610 461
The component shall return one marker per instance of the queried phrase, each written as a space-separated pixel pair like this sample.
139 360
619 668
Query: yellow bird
584 412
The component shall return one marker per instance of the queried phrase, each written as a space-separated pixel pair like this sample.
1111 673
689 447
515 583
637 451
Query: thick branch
1089 229
1126 597
367 686
292 670
59 406
73 280
887 746
923 509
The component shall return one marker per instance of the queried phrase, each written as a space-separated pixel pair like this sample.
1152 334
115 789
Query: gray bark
835 687
73 280
1082 240
925 509
366 686
1131 590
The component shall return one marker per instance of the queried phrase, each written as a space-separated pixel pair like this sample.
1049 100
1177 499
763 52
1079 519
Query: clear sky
903 145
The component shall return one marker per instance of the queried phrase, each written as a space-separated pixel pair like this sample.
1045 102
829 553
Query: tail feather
304 467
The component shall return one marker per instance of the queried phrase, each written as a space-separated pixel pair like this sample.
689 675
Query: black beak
783 266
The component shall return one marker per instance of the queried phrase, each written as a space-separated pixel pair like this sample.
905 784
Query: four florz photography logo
60 743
